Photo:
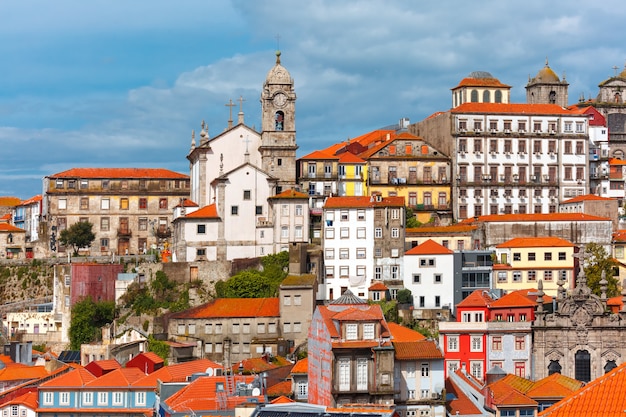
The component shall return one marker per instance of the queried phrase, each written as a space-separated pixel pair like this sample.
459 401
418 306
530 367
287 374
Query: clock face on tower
280 99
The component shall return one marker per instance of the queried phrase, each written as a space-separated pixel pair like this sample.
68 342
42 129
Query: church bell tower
278 126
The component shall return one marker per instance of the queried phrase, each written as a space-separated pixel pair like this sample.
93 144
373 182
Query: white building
429 274
363 239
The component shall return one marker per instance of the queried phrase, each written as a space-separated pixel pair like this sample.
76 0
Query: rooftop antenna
277 42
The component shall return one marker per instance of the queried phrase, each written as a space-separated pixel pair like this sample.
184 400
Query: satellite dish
256 392
210 371
356 280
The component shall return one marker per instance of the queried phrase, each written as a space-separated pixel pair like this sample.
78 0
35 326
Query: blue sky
124 83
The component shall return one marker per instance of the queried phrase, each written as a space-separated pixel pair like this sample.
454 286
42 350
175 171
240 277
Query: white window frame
453 343
352 331
361 374
103 398
369 331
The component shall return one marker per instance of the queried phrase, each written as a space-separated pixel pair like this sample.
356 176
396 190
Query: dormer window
351 331
368 331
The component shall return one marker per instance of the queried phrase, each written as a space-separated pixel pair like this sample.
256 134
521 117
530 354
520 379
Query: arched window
474 96
486 96
618 154
554 368
498 96
279 119
610 365
618 98
552 97
583 366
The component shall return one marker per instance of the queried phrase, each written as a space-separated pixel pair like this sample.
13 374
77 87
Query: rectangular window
368 331
143 223
416 278
344 253
117 398
87 397
547 275
378 272
62 204
351 331
344 233
477 344
104 224
520 343
496 343
329 253
246 328
344 272
143 203
260 328
246 194
425 369
84 203
105 204
124 203
330 272
218 328
234 210
284 232
562 256
453 343
201 229
64 398
103 398
344 374
395 232
378 233
360 253
531 256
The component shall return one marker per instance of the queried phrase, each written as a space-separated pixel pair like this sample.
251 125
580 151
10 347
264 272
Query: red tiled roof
619 236
349 158
363 202
536 242
480 82
586 197
76 378
29 399
401 333
186 203
281 389
602 396
8 201
156 173
512 108
201 395
281 400
535 217
422 349
301 367
122 377
35 199
234 307
429 247
291 193
206 212
378 286
513 299
531 293
478 298
459 404
320 155
615 161
151 356
6 227
177 373
362 312
260 364
106 364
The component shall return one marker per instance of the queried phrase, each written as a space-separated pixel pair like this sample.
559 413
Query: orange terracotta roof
429 247
374 136
422 349
153 357
478 298
554 386
18 372
349 158
401 333
8 201
378 286
5 218
123 412
201 395
281 400
35 199
187 203
281 389
291 193
6 227
319 155
363 202
234 307
156 173
107 364
29 399
459 404
536 242
619 236
206 212
77 378
301 367
531 293
177 373
362 312
122 377
615 161
586 197
512 108
513 299
536 217
359 314
481 82
442 230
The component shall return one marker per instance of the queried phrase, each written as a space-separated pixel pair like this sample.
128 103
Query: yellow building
619 254
522 261
384 162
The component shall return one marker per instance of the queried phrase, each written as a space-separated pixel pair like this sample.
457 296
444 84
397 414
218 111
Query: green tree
87 319
159 347
599 261
79 235
249 284
163 289
404 296
411 220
